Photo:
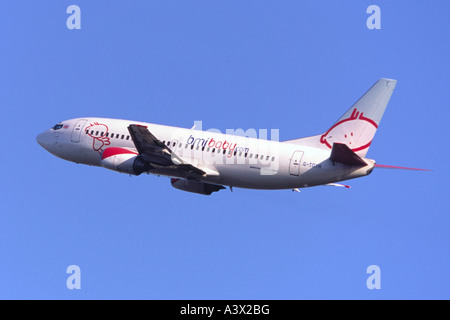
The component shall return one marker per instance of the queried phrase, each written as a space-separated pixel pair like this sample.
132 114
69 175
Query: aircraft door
76 133
294 166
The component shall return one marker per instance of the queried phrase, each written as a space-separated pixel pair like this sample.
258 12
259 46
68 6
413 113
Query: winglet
343 154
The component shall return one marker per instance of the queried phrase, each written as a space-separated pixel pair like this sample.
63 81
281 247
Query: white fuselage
227 159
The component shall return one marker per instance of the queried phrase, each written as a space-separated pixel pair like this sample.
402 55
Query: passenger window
128 137
273 158
123 136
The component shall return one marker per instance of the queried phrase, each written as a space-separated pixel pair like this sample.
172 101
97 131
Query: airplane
204 162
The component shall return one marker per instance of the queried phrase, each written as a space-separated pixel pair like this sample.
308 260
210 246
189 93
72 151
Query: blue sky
296 66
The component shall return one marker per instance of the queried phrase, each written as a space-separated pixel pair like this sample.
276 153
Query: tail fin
357 127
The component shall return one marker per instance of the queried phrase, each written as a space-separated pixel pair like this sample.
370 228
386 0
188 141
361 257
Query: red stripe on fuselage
113 151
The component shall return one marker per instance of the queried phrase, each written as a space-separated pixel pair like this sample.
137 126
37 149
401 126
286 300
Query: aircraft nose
45 139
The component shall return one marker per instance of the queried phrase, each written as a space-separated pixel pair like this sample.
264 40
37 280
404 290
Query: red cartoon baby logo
98 132
356 131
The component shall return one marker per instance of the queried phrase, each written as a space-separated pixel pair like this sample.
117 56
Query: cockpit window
57 126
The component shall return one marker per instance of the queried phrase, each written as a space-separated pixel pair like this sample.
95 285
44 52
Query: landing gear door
294 166
76 133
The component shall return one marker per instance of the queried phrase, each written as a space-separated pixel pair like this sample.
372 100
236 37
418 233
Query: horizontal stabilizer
343 154
383 166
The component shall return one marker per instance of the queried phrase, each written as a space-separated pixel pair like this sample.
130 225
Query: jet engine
195 186
124 160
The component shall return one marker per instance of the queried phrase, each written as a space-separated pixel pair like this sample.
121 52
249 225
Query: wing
158 154
149 147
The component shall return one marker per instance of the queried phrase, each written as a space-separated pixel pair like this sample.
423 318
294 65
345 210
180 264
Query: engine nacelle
195 186
124 160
